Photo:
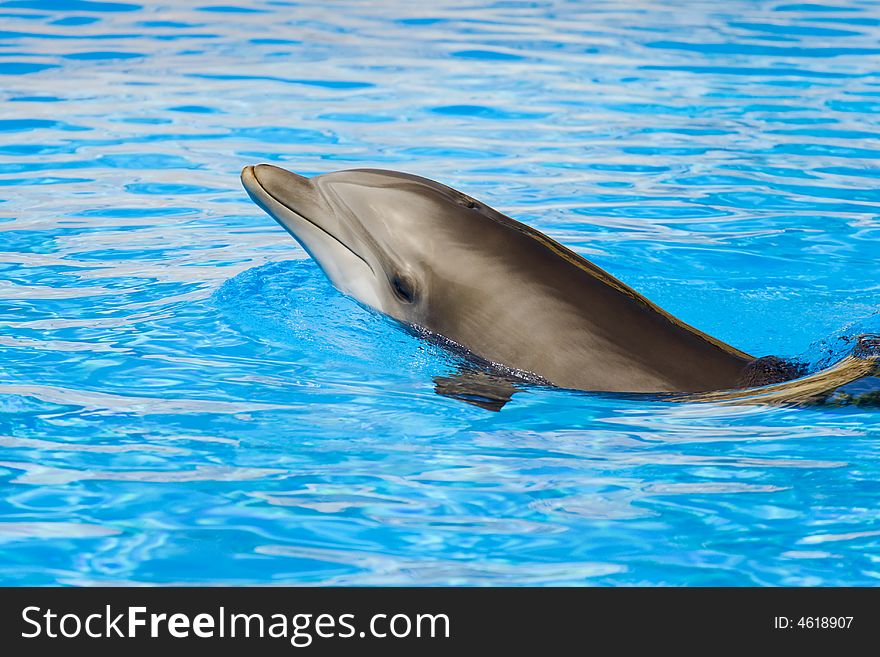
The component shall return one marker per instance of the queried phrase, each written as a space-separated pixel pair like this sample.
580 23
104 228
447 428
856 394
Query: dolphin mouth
259 194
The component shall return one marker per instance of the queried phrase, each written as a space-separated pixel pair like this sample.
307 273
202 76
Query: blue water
185 399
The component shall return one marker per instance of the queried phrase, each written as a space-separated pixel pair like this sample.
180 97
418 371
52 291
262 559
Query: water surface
185 399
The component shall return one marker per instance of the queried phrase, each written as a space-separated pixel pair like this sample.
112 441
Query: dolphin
444 263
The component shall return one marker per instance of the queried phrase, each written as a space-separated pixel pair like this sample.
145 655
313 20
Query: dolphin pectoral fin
478 387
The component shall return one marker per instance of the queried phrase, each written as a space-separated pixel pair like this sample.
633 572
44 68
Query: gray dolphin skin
432 257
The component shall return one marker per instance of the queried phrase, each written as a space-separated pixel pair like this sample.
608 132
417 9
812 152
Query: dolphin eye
403 289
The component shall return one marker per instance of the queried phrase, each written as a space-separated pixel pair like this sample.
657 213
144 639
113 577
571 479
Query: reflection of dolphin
434 258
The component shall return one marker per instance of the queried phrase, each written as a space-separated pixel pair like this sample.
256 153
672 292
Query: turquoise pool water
185 399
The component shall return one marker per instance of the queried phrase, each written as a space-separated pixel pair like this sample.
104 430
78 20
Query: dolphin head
383 237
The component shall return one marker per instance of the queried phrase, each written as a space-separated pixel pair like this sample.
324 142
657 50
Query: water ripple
185 399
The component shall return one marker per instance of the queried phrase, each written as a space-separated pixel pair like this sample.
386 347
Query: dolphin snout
269 175
266 184
273 179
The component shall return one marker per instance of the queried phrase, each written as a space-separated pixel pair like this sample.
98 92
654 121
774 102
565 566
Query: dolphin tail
853 380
